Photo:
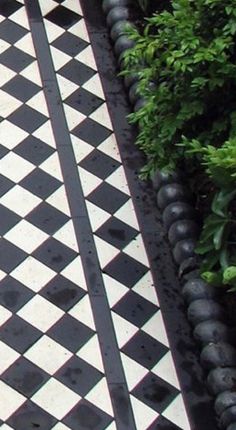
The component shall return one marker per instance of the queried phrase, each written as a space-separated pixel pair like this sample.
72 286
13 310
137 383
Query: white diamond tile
20 16
8 356
82 311
60 426
124 329
59 200
94 85
32 273
38 103
66 235
8 104
3 47
53 30
91 353
137 250
40 313
45 133
5 74
79 29
112 426
56 398
47 6
165 369
10 401
97 215
10 134
134 372
110 148
99 396
26 236
6 427
48 354
175 412
106 252
20 200
73 116
127 214
73 5
102 116
86 57
143 414
118 180
59 58
52 166
75 273
88 180
26 44
145 288
81 148
32 73
155 328
5 314
66 87
14 167
114 290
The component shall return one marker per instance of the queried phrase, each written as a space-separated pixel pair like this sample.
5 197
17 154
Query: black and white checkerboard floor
82 340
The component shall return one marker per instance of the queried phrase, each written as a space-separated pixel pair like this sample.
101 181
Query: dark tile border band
109 349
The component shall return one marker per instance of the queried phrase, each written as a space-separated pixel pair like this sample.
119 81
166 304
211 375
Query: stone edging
205 313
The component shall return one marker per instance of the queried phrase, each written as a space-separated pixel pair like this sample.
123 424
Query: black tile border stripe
111 358
199 403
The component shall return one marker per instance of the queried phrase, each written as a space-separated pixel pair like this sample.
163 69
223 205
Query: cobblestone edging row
205 313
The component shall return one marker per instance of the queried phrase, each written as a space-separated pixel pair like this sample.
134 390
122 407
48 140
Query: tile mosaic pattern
51 369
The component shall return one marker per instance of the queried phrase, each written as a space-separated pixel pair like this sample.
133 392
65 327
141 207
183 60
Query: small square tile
135 309
91 132
20 200
33 274
57 405
24 377
7 7
40 183
8 219
10 401
40 313
18 334
70 333
155 392
84 101
27 118
54 254
99 164
87 416
15 167
63 17
10 31
62 292
26 236
15 59
10 256
76 72
116 232
111 205
144 349
78 375
47 218
21 88
48 355
126 270
13 294
29 414
70 44
34 150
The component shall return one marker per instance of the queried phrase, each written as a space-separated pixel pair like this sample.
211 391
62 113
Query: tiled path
82 340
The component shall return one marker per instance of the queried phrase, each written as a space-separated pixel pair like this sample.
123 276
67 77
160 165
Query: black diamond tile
18 334
11 32
40 183
13 294
115 201
7 7
54 254
5 185
70 333
84 101
125 269
25 377
78 375
3 151
21 88
59 1
99 164
145 349
135 309
161 423
47 218
31 417
116 232
10 256
8 219
155 392
62 292
76 72
34 150
70 44
27 118
15 59
63 17
91 132
86 416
